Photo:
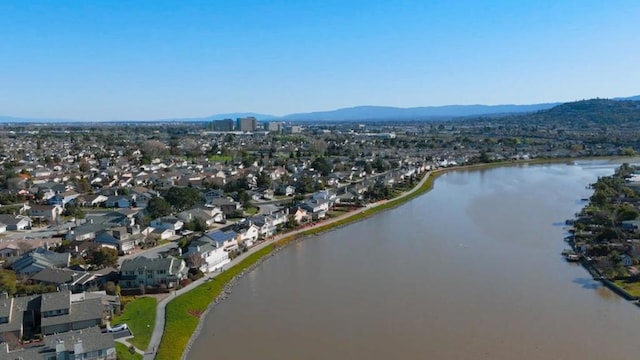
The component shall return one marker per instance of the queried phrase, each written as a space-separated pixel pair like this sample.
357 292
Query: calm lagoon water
469 270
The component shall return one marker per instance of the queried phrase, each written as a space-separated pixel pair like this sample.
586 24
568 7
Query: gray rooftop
92 340
88 309
143 263
56 301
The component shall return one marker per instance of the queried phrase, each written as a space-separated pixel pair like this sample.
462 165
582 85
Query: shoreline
275 245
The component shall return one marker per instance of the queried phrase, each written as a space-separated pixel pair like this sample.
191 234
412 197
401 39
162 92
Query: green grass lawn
251 211
122 353
632 288
140 316
219 158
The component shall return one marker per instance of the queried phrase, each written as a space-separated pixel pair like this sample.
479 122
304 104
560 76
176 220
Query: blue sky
114 60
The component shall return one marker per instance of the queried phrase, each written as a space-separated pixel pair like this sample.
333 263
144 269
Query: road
158 329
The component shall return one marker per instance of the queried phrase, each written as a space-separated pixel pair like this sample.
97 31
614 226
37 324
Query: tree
263 180
158 207
245 199
104 257
322 165
196 224
84 166
195 260
182 198
8 281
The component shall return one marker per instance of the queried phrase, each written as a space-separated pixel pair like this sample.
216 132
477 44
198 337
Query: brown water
472 270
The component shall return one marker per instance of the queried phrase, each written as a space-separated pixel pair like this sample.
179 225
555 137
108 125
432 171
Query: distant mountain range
358 113
415 113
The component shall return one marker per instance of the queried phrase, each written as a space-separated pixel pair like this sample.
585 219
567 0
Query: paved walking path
158 329
126 343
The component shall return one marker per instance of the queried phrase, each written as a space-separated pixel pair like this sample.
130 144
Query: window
149 276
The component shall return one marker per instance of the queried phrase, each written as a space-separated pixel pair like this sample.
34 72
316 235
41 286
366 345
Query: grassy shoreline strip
183 313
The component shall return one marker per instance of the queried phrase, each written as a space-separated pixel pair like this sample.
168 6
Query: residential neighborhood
148 209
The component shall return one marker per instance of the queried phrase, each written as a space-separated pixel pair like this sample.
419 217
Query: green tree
263 180
322 165
8 281
158 207
182 198
196 224
103 257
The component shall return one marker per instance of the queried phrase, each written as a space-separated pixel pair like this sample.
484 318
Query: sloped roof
168 264
42 258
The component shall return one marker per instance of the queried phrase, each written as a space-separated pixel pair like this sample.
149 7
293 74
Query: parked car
117 328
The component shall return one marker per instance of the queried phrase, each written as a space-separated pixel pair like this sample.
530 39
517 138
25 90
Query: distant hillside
360 113
415 113
585 113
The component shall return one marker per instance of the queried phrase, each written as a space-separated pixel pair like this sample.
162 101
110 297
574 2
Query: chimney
59 346
78 348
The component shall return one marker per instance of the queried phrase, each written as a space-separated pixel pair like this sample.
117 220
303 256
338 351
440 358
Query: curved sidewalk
158 329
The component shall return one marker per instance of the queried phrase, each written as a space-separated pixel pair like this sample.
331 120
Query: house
91 200
3 227
167 222
45 212
15 222
284 189
159 234
228 240
10 249
250 233
317 208
207 255
64 198
74 280
38 259
16 247
142 272
142 196
119 239
213 194
263 223
59 314
84 232
119 201
279 217
89 343
210 215
227 205
300 215
327 195
268 194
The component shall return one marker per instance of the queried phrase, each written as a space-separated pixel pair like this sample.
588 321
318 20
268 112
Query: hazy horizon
165 59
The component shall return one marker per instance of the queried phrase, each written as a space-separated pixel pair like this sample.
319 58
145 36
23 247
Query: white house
206 254
249 235
167 222
142 271
228 240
